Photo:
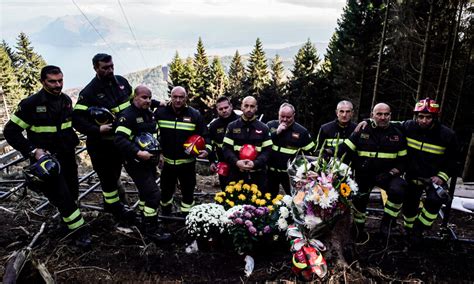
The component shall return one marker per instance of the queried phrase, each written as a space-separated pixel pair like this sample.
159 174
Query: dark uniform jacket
329 132
431 152
132 122
217 129
287 144
113 94
376 150
176 128
47 121
241 132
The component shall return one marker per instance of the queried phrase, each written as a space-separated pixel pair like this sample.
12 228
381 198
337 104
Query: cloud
330 4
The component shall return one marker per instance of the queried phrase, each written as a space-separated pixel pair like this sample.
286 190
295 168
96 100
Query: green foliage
203 83
8 81
236 78
219 81
257 76
271 97
29 65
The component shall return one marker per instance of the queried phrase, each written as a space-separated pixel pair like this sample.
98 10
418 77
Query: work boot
386 225
166 210
121 212
153 231
415 239
82 237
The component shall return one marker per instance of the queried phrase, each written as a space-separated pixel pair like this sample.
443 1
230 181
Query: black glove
383 178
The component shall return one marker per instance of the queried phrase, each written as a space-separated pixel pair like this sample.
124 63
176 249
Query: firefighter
141 156
177 122
46 117
335 132
248 130
378 155
432 152
109 94
217 129
288 137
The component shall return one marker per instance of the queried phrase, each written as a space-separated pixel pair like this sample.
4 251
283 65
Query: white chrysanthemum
287 199
311 221
353 185
282 224
284 212
204 217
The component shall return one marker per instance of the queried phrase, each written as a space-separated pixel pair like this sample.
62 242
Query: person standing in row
335 132
50 144
288 138
107 93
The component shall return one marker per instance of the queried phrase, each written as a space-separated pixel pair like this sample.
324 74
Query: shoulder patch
236 130
139 119
41 109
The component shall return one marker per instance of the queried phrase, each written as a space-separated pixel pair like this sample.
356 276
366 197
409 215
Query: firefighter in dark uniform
378 155
134 122
335 132
177 122
288 138
248 130
46 117
432 152
112 93
217 129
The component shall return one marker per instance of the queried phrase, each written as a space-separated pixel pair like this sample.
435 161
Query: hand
327 154
213 167
437 180
144 155
203 154
244 165
40 153
360 126
281 127
106 128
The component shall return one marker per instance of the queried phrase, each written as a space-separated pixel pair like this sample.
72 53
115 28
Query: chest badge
364 136
236 130
186 119
258 131
41 109
295 135
220 130
394 138
139 119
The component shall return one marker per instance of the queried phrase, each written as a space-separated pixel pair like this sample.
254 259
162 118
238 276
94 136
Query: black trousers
107 162
63 191
144 176
185 174
257 177
274 179
223 181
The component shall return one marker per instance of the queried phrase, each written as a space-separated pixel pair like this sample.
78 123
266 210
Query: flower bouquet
238 193
206 221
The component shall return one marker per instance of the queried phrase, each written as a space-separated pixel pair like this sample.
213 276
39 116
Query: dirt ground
120 255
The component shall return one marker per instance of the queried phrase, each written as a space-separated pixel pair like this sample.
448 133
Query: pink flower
247 215
267 229
239 221
248 223
253 230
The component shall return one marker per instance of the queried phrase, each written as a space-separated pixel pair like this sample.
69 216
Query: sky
162 27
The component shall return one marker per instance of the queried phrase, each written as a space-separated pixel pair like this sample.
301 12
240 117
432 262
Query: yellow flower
259 193
279 197
345 189
229 189
254 197
241 197
231 203
275 201
262 202
241 181
232 183
246 186
270 207
268 196
218 199
254 185
238 187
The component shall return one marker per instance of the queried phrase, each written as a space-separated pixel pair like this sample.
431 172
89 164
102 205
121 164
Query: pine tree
219 81
303 90
272 97
175 72
236 78
278 76
10 52
8 82
203 83
257 77
29 65
189 77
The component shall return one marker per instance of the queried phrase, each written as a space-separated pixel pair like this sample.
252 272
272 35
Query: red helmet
248 152
427 106
194 144
223 169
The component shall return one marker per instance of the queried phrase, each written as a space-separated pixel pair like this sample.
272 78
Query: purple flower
259 212
247 215
252 230
267 229
239 221
248 223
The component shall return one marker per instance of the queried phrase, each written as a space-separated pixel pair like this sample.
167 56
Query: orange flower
345 189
